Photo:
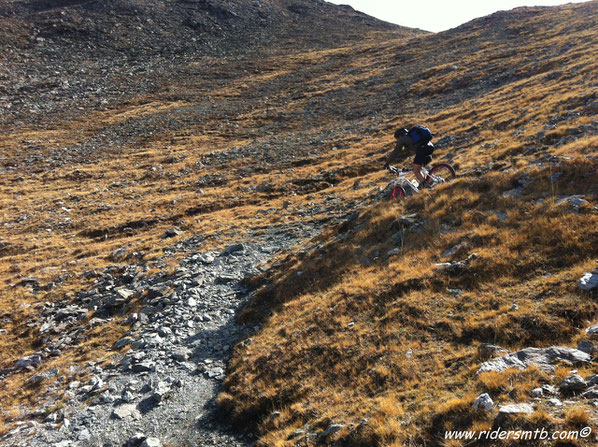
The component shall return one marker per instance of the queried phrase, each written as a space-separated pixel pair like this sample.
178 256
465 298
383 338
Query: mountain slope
100 160
134 28
88 53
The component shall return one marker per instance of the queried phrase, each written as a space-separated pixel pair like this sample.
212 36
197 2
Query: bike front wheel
442 172
397 193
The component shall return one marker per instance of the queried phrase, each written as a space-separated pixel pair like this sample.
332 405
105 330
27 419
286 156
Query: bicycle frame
402 180
402 173
401 186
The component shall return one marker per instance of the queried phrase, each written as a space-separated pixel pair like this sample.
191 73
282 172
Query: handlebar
396 170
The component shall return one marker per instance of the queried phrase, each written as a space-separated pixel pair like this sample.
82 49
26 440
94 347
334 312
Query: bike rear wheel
397 193
442 172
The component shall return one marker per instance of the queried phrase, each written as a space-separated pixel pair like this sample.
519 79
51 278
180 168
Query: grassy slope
334 347
301 106
335 332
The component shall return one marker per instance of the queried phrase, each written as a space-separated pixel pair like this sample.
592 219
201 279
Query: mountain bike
401 186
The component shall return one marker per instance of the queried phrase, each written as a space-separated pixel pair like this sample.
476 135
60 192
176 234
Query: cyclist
417 139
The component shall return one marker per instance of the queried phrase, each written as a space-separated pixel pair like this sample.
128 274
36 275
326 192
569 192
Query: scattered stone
39 378
575 201
123 342
161 391
592 380
487 350
333 428
233 249
151 442
172 232
589 281
28 360
483 402
516 409
573 383
127 412
592 393
28 282
592 330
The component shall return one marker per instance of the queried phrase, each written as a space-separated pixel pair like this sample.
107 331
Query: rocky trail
161 158
162 391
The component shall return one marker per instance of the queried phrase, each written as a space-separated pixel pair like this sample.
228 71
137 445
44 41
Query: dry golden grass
307 351
129 194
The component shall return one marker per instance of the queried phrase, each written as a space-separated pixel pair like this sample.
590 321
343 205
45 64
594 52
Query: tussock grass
390 331
501 108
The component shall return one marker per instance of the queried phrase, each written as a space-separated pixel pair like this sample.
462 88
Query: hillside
129 182
91 54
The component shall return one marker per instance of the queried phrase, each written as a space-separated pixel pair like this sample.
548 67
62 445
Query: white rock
483 402
545 358
537 392
516 409
151 442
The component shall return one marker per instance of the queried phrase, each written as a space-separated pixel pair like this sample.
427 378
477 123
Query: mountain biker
413 141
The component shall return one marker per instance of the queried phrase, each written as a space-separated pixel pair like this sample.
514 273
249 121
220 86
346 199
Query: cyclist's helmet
400 132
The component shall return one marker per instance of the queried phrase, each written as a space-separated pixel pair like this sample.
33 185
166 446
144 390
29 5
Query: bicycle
401 186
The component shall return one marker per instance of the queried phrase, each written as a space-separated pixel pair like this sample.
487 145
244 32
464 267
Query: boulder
573 383
545 358
586 346
589 281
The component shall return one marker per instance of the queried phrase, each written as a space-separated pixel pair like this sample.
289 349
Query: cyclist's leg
423 157
420 160
417 170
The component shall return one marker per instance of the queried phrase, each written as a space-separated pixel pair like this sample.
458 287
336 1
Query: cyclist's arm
399 151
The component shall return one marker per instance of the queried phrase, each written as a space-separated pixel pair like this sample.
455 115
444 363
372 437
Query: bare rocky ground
163 389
